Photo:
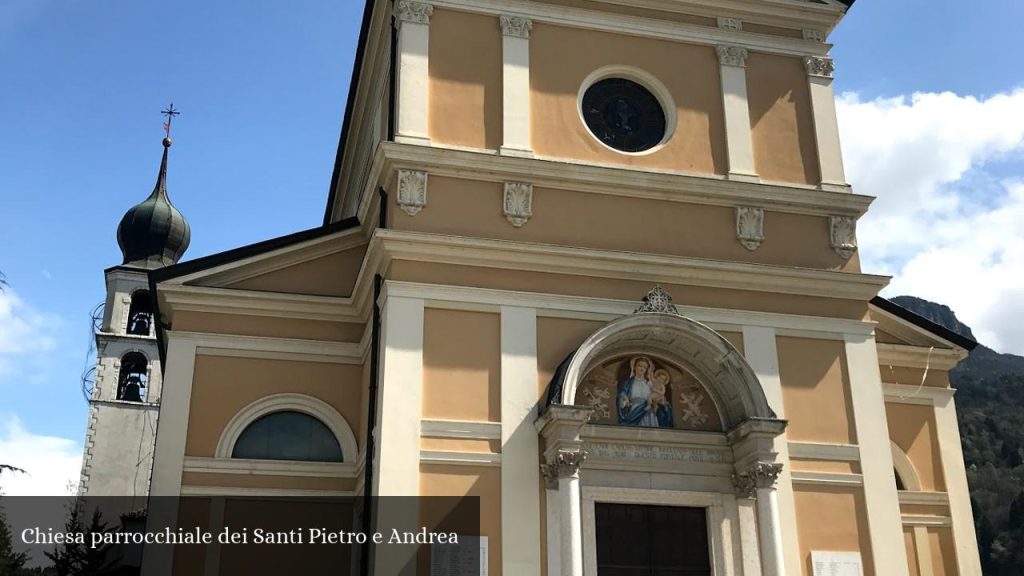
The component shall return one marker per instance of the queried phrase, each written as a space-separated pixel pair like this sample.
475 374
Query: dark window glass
640 540
140 314
624 115
133 377
899 481
288 436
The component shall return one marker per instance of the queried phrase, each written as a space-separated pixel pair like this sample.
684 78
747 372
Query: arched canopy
722 370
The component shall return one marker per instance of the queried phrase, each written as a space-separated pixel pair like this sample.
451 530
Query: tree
11 563
73 559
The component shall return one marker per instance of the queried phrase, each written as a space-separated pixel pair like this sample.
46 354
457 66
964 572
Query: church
593 262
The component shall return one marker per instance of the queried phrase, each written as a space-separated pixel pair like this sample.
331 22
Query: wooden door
643 540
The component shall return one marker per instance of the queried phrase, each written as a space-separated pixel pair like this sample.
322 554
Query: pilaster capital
563 463
415 12
843 232
820 66
732 55
515 26
412 191
758 475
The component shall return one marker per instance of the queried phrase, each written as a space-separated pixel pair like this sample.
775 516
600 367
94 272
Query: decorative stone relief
730 24
416 12
692 414
843 231
750 226
412 191
657 300
814 35
565 464
760 475
597 398
610 451
515 26
817 66
732 55
518 202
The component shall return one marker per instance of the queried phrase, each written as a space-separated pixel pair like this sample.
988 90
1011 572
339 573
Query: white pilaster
733 62
413 75
572 523
520 484
401 390
761 352
826 126
885 524
211 564
952 456
169 454
746 509
923 548
769 529
515 97
554 530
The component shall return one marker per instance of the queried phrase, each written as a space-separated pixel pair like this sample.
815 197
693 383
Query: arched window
899 481
288 435
140 313
133 377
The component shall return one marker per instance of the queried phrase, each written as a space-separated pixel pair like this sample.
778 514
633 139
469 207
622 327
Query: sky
930 99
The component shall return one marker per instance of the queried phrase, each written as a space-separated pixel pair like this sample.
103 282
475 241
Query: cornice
616 181
919 357
457 250
178 298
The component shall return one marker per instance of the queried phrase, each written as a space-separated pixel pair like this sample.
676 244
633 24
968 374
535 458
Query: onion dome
154 234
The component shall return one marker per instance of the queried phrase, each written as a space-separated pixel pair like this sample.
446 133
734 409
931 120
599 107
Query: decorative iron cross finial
170 113
657 300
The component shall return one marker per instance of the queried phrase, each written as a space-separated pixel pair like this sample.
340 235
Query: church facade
595 263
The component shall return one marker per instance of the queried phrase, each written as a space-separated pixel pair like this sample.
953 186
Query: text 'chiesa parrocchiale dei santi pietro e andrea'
592 261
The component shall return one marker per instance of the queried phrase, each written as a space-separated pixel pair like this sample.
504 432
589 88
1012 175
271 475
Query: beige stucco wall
624 289
814 382
560 60
461 365
473 208
465 79
222 386
912 428
940 542
833 519
331 275
781 119
908 543
262 481
556 339
483 482
914 376
211 323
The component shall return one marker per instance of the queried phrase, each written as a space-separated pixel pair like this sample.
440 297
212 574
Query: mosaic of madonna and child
641 390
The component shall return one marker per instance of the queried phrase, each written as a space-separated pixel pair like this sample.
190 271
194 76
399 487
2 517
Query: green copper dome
153 233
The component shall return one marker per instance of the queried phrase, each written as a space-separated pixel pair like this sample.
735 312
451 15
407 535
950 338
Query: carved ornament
657 300
817 66
732 55
734 24
517 204
750 226
412 191
564 464
843 231
760 475
515 26
416 12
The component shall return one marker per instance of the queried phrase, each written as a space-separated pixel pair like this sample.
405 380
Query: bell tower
125 399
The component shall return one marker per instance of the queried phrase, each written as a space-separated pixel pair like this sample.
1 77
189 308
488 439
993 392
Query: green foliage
72 559
11 563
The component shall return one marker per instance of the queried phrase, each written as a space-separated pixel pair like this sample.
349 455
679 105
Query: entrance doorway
645 540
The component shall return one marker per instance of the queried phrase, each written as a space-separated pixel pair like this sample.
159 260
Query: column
412 20
826 126
885 525
733 62
520 485
758 481
761 352
169 452
951 454
566 465
515 96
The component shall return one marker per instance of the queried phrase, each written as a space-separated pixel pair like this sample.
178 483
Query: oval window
624 115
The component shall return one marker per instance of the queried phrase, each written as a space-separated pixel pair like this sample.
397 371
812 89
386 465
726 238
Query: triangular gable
896 325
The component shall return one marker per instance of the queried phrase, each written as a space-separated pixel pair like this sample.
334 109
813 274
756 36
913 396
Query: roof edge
924 323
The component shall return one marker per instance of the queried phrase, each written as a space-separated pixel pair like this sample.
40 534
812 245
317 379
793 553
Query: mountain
990 407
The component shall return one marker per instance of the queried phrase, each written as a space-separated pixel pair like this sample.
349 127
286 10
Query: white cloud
944 224
26 335
51 463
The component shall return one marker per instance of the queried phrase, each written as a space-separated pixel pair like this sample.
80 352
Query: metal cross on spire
170 112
